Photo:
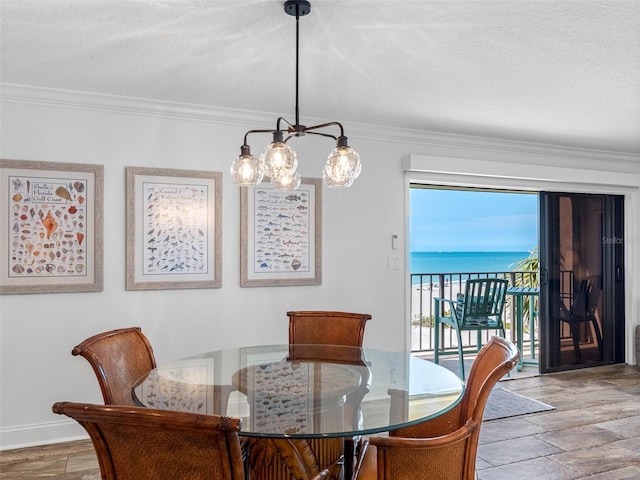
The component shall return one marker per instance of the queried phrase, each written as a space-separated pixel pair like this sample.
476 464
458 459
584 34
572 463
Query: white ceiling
563 72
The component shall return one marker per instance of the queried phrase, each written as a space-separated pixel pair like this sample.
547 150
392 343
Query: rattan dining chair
445 447
121 357
332 328
327 327
273 459
118 358
134 443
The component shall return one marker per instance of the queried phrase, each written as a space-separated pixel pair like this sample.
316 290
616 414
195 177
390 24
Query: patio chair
479 308
445 447
583 312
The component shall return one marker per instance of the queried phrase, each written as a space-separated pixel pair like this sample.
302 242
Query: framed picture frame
174 229
281 235
51 220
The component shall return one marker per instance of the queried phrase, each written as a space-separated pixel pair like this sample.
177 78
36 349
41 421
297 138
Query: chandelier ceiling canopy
278 161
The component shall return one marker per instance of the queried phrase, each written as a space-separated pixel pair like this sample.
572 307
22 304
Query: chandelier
278 161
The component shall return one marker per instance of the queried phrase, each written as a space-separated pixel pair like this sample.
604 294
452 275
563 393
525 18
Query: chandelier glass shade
342 168
246 170
278 158
278 161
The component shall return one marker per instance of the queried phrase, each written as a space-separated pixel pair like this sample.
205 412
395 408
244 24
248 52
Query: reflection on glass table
304 391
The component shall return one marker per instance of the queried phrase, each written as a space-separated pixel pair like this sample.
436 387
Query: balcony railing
426 286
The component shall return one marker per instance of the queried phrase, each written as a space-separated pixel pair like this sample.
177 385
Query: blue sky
472 221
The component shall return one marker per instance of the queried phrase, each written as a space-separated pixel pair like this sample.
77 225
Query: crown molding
455 143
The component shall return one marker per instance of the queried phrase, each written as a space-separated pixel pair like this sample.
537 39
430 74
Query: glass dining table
304 391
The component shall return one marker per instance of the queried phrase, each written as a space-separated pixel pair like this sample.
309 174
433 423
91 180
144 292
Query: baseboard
40 434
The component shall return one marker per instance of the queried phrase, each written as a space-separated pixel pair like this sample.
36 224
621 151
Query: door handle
544 276
618 274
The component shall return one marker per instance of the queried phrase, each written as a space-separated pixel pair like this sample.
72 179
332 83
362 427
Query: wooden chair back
118 358
328 328
445 447
134 443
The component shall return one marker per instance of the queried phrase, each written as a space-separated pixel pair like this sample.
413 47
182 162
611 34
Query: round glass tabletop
304 390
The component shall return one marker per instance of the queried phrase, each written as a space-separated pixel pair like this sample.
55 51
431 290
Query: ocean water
458 262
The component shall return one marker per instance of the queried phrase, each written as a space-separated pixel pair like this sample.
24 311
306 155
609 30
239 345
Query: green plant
530 267
528 276
424 321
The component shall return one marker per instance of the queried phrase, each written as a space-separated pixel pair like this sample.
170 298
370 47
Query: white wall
38 331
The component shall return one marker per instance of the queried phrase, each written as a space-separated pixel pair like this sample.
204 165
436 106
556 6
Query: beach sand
428 293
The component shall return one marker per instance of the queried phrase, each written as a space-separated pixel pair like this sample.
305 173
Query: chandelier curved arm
324 125
246 135
290 127
300 130
328 135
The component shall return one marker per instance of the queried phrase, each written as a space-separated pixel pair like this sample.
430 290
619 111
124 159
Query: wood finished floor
594 433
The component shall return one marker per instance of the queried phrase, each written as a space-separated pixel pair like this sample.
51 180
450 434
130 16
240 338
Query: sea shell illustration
50 224
63 193
296 264
80 237
79 186
18 268
17 197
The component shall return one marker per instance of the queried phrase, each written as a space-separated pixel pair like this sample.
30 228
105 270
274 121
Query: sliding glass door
582 280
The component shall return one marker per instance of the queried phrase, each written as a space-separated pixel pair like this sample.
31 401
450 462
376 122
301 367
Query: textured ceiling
563 72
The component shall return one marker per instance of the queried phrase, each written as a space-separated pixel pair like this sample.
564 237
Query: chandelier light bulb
278 158
245 169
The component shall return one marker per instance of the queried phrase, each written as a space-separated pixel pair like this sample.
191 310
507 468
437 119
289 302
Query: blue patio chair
478 308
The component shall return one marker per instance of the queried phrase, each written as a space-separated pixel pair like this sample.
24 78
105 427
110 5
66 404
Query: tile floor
594 433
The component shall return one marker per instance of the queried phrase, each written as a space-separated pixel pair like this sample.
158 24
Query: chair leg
596 329
460 356
575 335
436 347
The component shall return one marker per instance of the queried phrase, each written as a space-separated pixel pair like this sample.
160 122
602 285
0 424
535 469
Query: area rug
503 403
